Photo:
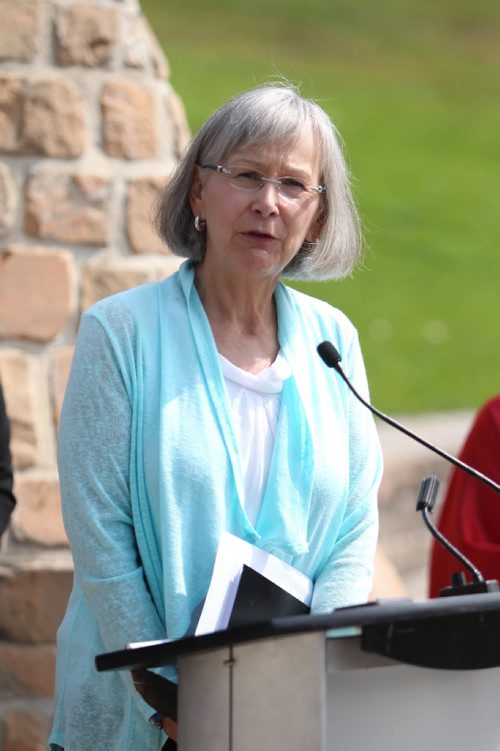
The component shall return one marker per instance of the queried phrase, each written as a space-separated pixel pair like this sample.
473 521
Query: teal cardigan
150 476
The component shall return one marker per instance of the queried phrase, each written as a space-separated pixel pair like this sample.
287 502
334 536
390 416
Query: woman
198 405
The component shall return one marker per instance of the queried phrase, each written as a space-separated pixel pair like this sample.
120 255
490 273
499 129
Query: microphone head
329 354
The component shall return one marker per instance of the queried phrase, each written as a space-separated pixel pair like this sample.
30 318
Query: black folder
259 599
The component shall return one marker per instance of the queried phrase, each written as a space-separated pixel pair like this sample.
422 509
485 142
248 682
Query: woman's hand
170 728
161 694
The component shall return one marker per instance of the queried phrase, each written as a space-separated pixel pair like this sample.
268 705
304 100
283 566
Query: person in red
470 515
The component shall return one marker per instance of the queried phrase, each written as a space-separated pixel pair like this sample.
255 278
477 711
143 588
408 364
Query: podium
386 676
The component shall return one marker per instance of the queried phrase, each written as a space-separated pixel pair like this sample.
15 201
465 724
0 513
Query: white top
255 402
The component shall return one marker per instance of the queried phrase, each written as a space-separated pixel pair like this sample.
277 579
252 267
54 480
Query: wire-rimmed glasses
251 180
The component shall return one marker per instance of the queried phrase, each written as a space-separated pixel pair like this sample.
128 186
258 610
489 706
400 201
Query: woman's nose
267 198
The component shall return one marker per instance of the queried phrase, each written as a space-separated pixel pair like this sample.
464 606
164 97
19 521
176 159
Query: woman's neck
243 319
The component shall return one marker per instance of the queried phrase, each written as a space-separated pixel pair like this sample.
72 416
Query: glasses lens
292 188
245 179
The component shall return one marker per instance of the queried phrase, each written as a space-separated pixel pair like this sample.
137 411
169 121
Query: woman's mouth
257 235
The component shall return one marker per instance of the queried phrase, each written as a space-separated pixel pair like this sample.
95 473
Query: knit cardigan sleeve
94 466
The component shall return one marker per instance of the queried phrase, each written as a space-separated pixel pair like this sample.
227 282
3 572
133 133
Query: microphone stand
459 585
428 489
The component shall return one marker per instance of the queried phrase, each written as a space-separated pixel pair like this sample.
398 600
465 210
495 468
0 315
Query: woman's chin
260 259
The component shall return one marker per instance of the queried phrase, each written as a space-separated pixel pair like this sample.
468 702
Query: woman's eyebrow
287 171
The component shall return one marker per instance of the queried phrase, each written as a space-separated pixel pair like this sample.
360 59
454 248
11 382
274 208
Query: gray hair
256 117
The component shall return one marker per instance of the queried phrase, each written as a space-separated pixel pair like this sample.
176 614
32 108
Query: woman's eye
247 175
292 182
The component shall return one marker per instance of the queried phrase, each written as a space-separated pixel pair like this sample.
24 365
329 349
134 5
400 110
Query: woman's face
258 232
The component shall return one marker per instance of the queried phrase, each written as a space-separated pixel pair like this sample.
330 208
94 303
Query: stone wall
89 128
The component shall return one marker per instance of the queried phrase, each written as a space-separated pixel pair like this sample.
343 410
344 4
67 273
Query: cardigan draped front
150 477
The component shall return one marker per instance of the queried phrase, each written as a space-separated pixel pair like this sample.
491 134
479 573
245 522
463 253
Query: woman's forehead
298 153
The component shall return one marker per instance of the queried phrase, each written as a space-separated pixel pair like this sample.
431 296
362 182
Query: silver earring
200 225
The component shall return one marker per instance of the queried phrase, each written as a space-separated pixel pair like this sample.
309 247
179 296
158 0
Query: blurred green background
414 88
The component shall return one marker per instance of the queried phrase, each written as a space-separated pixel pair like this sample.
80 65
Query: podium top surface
461 611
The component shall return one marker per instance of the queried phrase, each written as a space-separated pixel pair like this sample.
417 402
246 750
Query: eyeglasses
249 180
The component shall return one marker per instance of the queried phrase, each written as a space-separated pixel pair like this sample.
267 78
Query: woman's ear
316 227
196 192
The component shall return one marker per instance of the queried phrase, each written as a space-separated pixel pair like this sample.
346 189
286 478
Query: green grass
413 86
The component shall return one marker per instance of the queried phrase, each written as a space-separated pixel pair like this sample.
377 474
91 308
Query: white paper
232 554
140 644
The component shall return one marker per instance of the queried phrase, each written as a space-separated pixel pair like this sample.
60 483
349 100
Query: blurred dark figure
7 500
470 515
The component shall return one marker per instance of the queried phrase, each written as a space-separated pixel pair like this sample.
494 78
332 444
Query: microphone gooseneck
332 359
425 504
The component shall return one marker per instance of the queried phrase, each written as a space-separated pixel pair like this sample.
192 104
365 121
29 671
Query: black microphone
331 357
428 490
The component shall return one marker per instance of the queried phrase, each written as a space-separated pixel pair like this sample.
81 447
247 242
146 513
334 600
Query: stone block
37 518
129 120
86 34
141 194
19 30
141 48
25 731
27 670
53 118
8 199
26 399
61 366
37 288
107 275
72 208
11 86
34 593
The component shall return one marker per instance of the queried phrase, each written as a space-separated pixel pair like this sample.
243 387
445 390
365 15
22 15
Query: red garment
470 516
